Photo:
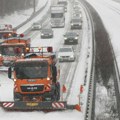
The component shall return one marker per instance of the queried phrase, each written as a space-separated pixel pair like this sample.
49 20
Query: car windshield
12 50
36 24
70 34
46 30
65 50
56 15
75 20
32 71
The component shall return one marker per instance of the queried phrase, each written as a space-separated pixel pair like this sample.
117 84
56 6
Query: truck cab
6 31
57 16
35 78
13 49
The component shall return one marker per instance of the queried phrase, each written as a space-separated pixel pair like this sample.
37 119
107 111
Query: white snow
20 16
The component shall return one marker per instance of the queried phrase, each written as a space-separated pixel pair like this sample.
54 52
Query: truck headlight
22 55
76 37
48 78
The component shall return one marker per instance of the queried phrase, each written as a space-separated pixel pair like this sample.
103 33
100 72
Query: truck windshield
62 2
12 50
32 72
56 15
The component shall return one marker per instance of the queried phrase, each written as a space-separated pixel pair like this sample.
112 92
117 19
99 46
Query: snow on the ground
20 16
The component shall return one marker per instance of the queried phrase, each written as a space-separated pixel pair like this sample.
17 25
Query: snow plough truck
6 31
11 50
36 85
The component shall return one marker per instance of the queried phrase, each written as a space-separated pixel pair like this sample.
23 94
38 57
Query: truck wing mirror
9 72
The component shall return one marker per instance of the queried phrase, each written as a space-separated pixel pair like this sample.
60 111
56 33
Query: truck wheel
17 97
57 91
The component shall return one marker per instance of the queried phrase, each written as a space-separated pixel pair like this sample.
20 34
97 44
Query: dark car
47 33
71 38
76 23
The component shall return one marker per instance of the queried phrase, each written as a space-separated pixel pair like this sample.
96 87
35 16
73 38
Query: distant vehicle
36 26
57 16
77 11
66 54
76 7
13 49
76 15
6 31
64 3
76 23
71 38
47 33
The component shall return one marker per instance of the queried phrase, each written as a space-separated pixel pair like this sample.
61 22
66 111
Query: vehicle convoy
36 85
47 33
57 16
71 37
6 31
11 50
66 54
64 3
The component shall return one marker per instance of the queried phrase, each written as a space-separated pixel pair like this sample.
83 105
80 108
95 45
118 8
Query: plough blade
29 106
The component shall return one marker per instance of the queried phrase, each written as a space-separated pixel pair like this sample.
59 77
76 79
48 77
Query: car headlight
0 55
42 34
76 37
65 38
59 56
71 56
71 23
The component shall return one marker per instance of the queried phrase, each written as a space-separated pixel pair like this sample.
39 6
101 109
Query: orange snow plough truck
6 31
36 85
11 50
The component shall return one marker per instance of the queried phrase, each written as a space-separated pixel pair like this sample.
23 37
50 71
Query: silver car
66 54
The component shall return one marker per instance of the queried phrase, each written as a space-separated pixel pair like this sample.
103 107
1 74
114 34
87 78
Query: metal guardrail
89 115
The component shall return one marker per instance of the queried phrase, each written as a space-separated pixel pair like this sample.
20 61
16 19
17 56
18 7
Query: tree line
9 6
